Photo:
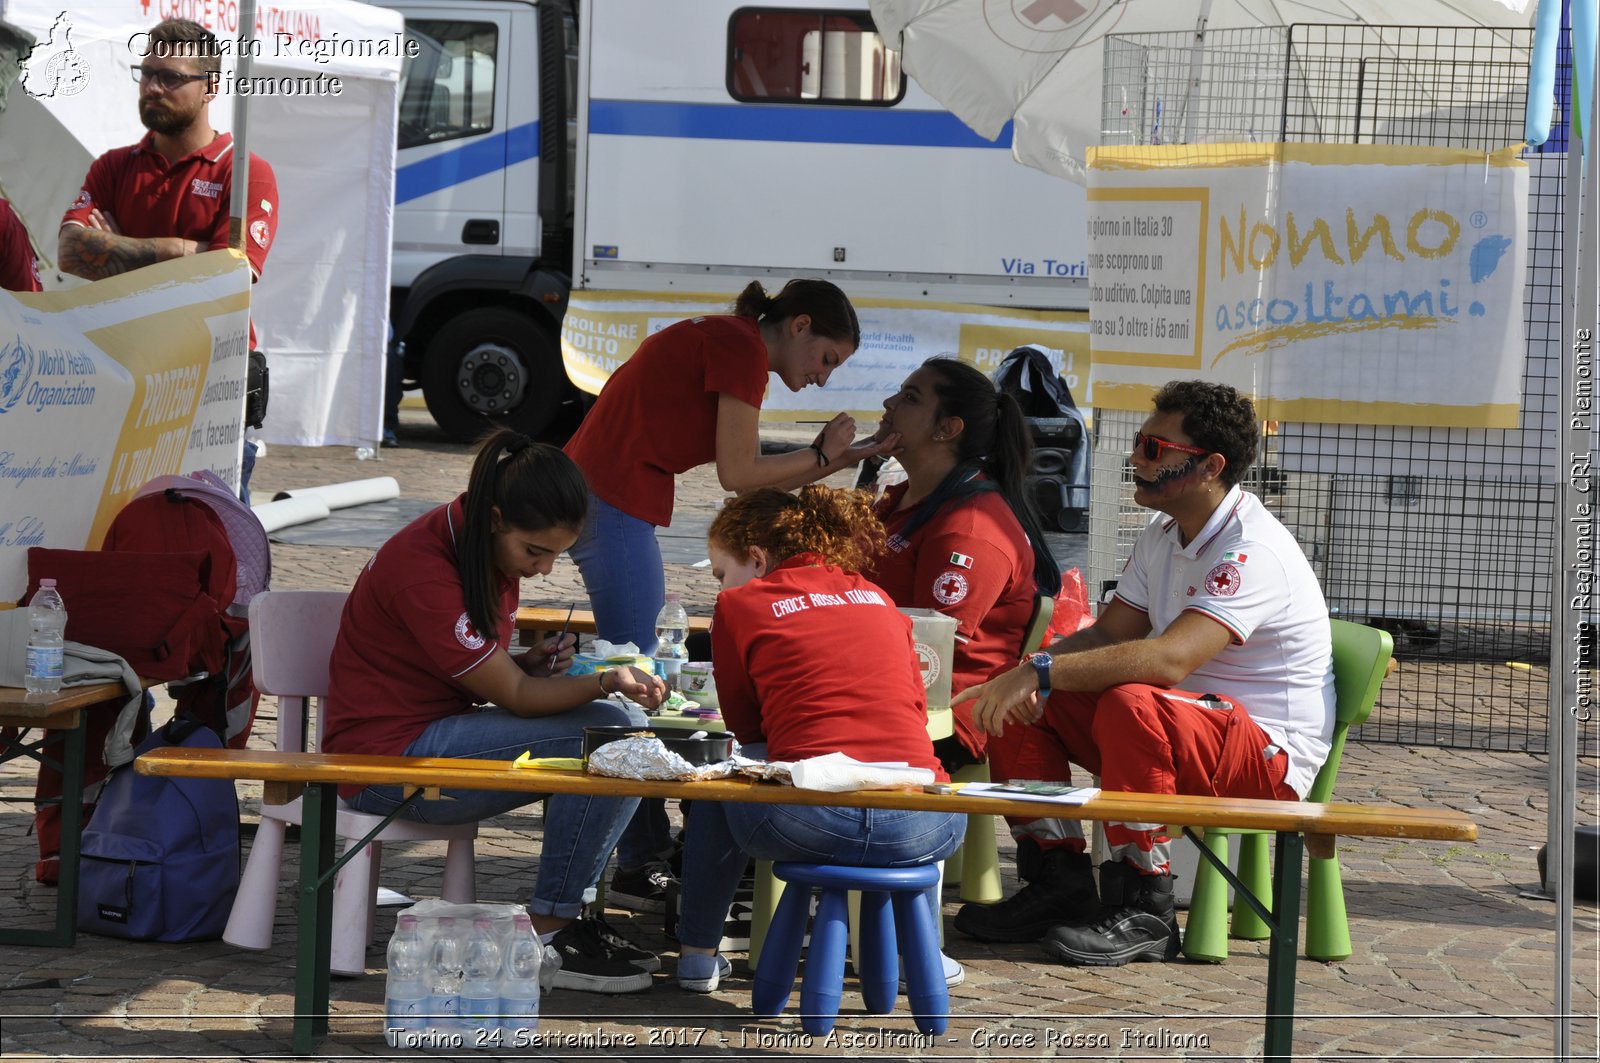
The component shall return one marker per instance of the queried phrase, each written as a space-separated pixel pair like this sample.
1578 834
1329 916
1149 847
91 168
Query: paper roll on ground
281 513
349 493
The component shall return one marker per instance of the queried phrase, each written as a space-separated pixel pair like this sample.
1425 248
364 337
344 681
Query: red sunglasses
1154 446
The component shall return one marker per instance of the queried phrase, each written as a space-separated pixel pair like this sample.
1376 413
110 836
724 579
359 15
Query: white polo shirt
1246 571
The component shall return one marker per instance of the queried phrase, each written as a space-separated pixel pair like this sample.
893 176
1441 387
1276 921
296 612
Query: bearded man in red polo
169 195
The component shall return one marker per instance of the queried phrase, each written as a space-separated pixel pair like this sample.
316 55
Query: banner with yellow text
1362 284
109 385
602 329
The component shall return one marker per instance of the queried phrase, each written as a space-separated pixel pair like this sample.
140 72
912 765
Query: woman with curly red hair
811 658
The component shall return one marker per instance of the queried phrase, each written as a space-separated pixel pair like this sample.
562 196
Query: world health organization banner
1358 284
601 331
109 385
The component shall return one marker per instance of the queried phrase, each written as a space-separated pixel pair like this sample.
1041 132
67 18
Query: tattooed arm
98 249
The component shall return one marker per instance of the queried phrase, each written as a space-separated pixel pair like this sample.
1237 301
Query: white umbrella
1039 62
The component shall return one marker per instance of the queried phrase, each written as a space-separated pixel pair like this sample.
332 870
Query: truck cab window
447 90
780 55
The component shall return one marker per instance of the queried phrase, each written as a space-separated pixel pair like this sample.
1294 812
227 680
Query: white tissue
836 773
602 648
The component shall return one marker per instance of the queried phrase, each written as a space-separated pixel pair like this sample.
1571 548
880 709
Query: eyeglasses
167 79
1154 446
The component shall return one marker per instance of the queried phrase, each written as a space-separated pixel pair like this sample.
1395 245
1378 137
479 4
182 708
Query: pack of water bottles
465 977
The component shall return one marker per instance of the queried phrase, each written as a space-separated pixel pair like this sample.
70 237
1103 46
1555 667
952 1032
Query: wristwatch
1041 666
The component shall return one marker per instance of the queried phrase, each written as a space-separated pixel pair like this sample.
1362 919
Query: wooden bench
60 717
541 618
318 776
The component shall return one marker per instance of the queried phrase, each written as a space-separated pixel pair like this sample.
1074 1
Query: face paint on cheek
1166 476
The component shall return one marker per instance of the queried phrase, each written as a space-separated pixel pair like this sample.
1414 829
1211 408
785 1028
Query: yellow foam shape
548 763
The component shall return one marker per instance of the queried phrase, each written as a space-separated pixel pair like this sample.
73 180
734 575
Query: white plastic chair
291 638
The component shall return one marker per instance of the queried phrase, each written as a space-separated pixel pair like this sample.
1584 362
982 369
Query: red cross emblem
1066 10
1223 580
950 588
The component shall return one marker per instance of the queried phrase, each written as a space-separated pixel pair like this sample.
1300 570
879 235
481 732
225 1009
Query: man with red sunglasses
1209 672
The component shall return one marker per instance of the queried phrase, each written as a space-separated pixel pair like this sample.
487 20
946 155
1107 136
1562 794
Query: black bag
1058 480
255 393
160 856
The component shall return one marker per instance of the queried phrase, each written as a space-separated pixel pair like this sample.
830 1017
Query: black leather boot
1059 889
1139 922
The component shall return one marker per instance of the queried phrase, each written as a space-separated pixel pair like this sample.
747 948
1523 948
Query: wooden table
317 775
62 714
541 618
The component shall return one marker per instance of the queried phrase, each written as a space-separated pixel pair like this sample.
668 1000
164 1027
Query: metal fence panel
1444 536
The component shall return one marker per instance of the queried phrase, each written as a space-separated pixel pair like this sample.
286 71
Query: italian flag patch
961 559
1237 559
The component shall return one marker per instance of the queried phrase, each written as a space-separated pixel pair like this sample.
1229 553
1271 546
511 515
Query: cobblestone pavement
1451 958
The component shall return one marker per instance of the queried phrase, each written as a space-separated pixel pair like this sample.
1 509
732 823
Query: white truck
640 160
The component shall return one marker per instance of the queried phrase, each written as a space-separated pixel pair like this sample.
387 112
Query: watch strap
1041 667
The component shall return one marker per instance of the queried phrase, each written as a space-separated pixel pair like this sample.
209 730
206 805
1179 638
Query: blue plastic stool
895 921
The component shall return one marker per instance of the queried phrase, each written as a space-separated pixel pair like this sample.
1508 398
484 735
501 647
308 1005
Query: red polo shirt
190 199
657 415
405 641
816 661
972 561
19 270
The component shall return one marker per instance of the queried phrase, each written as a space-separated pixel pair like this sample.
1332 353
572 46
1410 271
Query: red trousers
1144 739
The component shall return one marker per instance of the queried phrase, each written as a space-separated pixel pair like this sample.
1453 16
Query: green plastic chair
1360 662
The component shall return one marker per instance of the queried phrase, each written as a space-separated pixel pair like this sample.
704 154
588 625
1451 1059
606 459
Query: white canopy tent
1040 63
321 308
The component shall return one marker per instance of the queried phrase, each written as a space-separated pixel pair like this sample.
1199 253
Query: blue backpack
160 856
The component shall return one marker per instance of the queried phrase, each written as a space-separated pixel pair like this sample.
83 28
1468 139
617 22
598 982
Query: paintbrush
550 665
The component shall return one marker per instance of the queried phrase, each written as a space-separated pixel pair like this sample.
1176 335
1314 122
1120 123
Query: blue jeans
579 831
247 465
620 562
724 834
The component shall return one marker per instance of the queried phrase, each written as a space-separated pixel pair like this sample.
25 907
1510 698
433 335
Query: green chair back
1044 608
1360 661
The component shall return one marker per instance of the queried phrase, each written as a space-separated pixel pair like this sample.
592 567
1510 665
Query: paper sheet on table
1052 793
837 773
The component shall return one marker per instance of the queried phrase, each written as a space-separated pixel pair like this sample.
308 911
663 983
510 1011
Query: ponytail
753 302
535 487
1009 461
832 316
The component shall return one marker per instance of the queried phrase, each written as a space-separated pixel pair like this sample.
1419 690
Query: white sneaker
954 973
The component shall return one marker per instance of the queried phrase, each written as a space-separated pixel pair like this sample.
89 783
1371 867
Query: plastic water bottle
519 985
480 986
444 981
672 629
406 995
47 629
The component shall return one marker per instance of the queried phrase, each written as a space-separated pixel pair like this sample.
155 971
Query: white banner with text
601 331
107 386
1361 284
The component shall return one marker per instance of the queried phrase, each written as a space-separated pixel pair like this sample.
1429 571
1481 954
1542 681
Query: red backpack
163 611
169 592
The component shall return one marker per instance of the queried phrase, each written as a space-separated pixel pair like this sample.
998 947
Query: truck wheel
492 368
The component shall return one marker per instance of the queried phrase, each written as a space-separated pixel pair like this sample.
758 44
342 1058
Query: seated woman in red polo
963 539
811 658
422 668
